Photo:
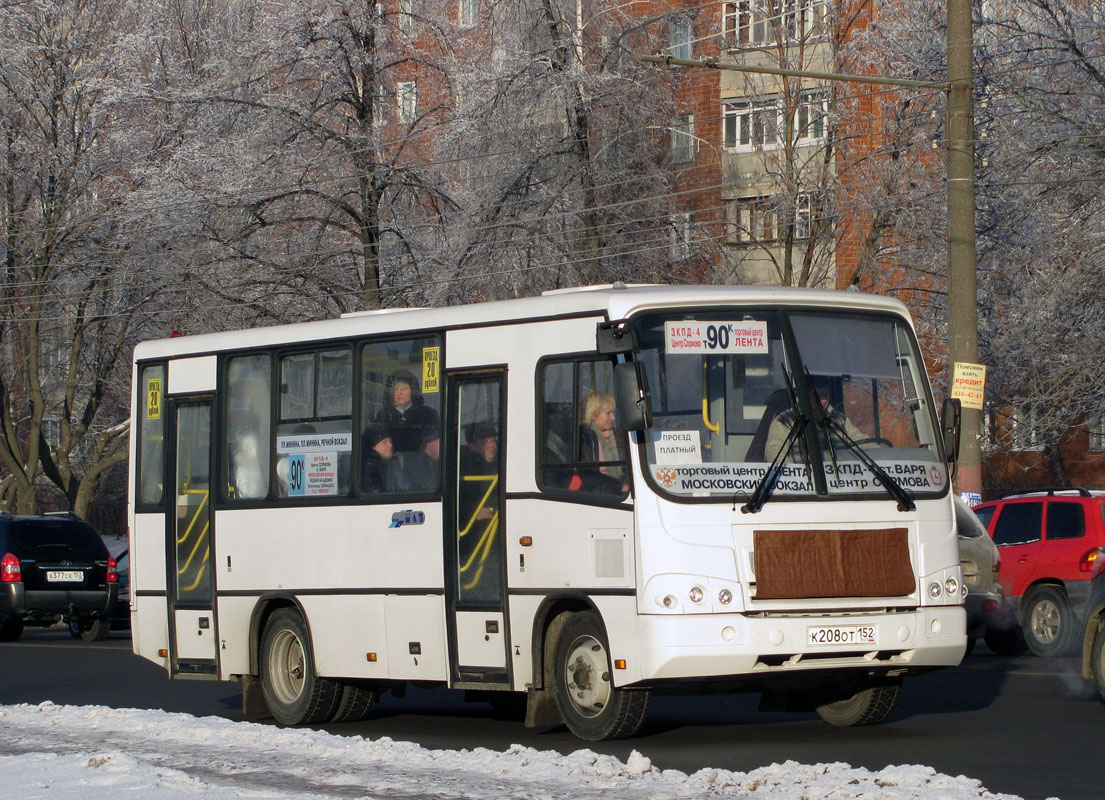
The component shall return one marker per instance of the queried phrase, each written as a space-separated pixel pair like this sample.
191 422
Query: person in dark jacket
377 460
406 416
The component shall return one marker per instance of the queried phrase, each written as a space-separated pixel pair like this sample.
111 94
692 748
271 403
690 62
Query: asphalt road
1025 726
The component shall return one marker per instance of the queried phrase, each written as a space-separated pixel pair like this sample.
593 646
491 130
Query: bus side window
248 424
151 437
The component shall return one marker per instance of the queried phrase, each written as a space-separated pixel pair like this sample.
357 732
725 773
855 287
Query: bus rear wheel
591 706
868 705
293 692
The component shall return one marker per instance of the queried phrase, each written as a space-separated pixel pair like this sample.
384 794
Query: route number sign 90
716 338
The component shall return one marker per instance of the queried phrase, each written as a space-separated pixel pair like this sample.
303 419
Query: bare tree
71 290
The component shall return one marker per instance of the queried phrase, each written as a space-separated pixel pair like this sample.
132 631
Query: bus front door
191 586
475 535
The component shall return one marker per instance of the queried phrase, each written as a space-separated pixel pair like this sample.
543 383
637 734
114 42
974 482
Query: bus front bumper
734 645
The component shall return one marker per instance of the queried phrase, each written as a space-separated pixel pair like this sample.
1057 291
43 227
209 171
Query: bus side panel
149 619
573 546
234 615
343 549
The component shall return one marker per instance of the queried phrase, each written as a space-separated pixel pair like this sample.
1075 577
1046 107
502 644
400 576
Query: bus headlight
725 597
935 590
696 594
951 586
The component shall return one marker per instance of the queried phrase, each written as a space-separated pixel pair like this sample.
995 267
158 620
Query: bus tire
354 703
591 706
867 706
10 629
293 692
1049 624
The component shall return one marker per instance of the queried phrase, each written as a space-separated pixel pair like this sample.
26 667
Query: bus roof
611 301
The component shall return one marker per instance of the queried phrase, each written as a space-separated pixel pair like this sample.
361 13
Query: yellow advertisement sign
153 398
969 384
431 369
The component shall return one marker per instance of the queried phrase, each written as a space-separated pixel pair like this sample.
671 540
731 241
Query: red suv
1048 542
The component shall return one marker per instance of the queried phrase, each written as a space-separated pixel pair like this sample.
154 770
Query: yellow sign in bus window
431 369
153 398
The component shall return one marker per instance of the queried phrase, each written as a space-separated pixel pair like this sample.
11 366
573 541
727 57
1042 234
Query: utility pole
962 279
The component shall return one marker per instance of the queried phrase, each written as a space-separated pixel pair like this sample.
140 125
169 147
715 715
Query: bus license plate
832 635
64 576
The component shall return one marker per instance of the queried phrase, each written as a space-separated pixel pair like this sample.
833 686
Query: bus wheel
590 704
867 706
293 692
354 703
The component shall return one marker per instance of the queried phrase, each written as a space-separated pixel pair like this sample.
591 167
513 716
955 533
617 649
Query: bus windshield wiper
766 485
895 489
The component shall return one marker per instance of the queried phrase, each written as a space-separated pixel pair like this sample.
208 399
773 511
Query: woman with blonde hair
599 441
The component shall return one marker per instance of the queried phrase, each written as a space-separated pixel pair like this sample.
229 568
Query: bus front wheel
591 706
868 705
293 692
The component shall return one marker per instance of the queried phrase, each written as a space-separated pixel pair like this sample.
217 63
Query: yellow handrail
714 427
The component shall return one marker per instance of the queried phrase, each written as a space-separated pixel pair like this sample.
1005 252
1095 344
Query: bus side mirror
951 426
632 397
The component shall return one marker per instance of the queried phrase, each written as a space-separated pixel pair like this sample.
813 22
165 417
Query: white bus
329 510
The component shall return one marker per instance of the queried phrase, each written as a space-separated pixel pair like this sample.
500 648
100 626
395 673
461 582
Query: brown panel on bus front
832 563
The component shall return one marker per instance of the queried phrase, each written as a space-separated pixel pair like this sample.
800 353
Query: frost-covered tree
78 274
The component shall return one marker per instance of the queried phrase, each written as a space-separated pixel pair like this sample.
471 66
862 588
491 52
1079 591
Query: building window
1023 431
758 123
681 236
406 15
682 139
757 22
750 123
468 13
757 220
682 36
406 95
1097 434
813 108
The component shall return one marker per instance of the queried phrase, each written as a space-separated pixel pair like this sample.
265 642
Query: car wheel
591 706
97 631
11 629
1049 626
1097 661
1006 641
867 706
293 692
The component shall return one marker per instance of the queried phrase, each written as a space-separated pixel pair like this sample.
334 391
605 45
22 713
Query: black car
119 618
54 568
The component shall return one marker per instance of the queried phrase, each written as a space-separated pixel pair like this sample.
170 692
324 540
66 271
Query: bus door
475 531
189 534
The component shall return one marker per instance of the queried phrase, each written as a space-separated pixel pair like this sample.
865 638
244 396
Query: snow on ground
99 753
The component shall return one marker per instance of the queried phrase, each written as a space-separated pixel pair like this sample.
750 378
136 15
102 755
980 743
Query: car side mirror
951 426
632 396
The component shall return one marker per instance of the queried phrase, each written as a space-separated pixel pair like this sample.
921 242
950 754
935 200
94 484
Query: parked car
1093 640
1049 543
988 615
54 568
119 618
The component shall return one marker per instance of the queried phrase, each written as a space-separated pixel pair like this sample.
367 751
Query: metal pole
962 279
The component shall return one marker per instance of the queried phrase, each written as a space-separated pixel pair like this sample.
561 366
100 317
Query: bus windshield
838 399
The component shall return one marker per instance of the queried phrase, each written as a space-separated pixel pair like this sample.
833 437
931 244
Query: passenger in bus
479 464
406 414
420 471
601 442
249 479
781 425
377 460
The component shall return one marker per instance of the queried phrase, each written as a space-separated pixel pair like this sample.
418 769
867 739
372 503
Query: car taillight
10 571
112 571
1092 563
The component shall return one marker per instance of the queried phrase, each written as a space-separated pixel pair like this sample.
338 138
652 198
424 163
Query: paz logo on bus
407 517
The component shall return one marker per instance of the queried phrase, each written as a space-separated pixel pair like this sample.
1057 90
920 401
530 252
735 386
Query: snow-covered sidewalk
99 753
